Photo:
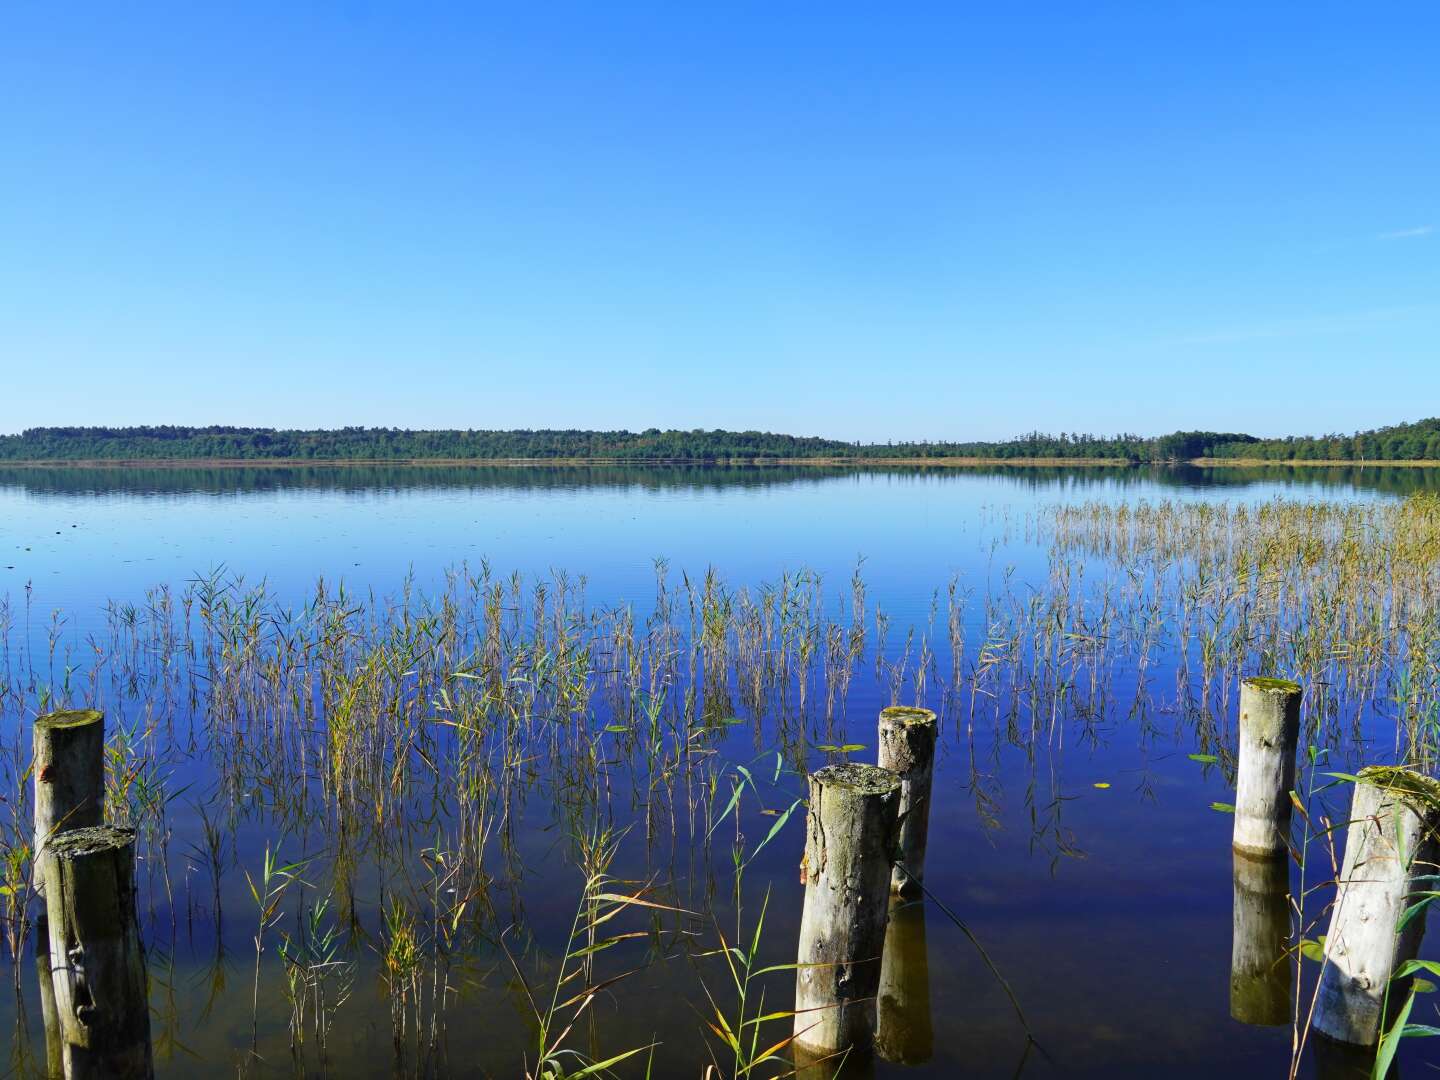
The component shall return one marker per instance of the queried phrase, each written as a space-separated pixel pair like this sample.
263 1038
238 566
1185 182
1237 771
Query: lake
510 675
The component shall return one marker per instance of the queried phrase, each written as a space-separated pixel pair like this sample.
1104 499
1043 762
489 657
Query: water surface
1086 858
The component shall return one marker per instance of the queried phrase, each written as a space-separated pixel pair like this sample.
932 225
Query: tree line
1418 441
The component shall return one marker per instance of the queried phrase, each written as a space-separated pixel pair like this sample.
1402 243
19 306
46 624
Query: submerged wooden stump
905 1031
1390 844
907 748
850 834
1269 730
96 957
69 767
1260 966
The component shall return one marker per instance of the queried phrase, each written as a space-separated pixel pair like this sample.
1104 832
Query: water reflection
905 1034
199 478
1259 968
842 1066
223 480
1344 1061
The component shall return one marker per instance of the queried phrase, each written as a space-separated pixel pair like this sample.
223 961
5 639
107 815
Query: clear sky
864 221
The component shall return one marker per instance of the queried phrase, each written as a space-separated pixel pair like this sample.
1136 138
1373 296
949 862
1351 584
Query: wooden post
850 834
905 1033
97 959
1269 729
1391 842
1259 962
907 747
69 767
54 1047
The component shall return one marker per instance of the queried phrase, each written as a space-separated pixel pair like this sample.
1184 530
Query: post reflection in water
1260 970
904 1034
1344 1061
845 1065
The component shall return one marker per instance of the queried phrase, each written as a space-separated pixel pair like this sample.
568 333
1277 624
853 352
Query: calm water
1108 909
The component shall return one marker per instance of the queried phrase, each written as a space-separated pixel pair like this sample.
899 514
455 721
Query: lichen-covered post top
1420 792
857 779
1276 698
78 843
69 718
1272 685
907 714
907 739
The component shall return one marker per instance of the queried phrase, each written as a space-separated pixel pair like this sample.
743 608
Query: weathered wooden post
905 1033
1269 730
1259 962
54 1045
850 834
1390 843
69 780
97 959
907 748
69 767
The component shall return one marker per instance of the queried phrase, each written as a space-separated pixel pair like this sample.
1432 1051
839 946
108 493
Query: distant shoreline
833 462
1329 463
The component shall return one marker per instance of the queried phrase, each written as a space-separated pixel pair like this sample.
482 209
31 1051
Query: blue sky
863 221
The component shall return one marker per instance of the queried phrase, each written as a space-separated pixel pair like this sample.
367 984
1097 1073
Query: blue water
80 537
1107 908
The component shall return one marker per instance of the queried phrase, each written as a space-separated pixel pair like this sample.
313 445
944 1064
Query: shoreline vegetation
1417 443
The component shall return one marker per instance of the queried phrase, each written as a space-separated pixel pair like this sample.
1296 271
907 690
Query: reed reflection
1259 967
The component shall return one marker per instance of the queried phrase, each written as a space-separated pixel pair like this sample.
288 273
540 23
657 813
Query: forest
1404 442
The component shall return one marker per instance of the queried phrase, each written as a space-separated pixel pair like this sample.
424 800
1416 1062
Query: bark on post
1269 729
97 959
905 1033
1390 843
1259 963
850 834
69 767
907 747
54 1055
